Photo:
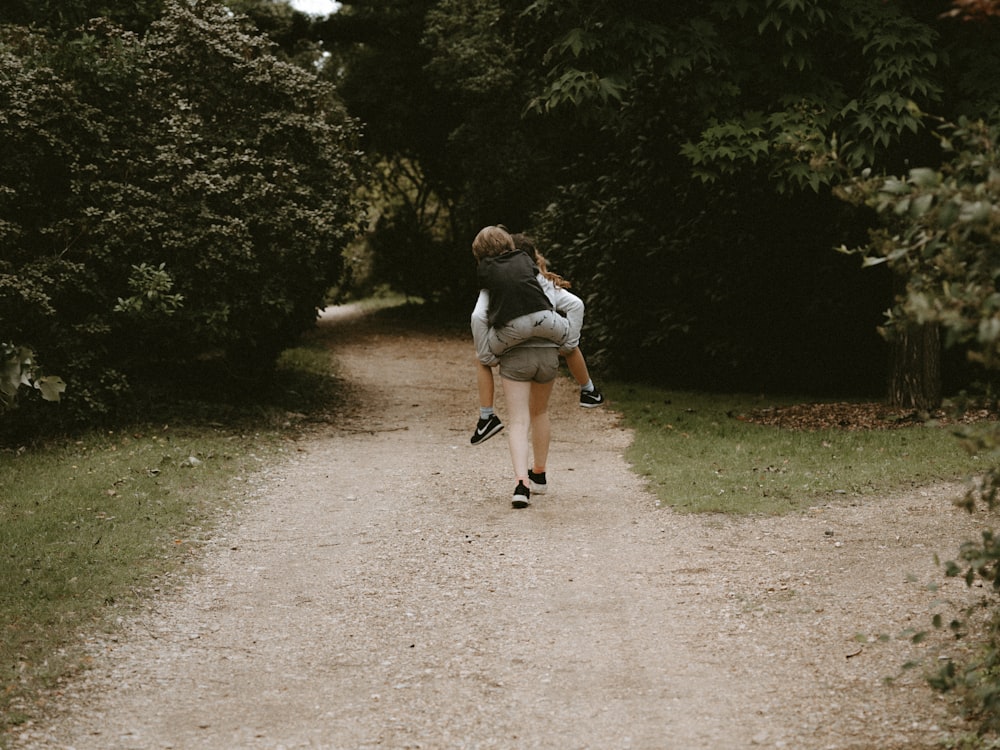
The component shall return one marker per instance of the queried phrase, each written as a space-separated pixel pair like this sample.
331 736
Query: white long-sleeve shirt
565 302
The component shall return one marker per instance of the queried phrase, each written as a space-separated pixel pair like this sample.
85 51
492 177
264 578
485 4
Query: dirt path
377 591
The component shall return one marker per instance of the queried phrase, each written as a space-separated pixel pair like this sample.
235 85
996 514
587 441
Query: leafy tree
440 88
641 83
383 83
588 120
379 70
765 101
291 30
66 15
940 231
259 158
206 192
49 137
496 167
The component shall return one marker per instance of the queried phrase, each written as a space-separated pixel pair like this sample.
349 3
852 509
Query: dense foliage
940 231
729 278
439 88
17 371
66 15
165 198
676 159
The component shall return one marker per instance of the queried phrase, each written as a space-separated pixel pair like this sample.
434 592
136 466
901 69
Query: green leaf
576 40
52 387
924 177
921 204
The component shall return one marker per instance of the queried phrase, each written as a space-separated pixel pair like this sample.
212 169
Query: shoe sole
488 435
591 406
538 489
521 500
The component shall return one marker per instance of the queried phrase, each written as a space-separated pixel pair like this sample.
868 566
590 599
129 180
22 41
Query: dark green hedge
165 199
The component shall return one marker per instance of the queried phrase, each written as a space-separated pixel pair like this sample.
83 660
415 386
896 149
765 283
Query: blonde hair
524 242
492 241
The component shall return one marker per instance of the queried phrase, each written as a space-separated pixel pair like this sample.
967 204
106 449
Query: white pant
544 324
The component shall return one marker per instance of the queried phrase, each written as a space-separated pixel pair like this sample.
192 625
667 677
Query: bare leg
484 383
528 411
489 423
518 397
541 425
589 395
578 367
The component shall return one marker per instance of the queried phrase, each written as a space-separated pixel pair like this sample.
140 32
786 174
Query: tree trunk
915 369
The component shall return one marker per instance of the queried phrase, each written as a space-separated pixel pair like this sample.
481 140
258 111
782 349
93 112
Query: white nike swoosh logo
482 431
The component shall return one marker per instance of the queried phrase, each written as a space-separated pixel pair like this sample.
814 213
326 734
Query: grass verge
90 524
698 457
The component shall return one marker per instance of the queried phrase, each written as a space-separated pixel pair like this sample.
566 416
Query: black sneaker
590 399
486 428
537 482
522 496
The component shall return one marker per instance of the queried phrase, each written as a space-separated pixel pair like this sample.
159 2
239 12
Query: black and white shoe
537 481
486 428
590 399
522 496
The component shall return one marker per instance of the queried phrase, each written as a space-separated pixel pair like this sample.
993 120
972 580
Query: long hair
526 243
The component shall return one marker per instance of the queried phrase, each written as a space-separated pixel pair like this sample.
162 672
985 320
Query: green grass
89 525
85 527
699 457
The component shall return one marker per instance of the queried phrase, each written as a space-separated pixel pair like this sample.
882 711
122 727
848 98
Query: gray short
538 364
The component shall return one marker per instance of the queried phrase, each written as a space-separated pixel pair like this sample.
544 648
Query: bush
167 198
940 229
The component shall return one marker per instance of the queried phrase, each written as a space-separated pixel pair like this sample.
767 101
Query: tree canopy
677 160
